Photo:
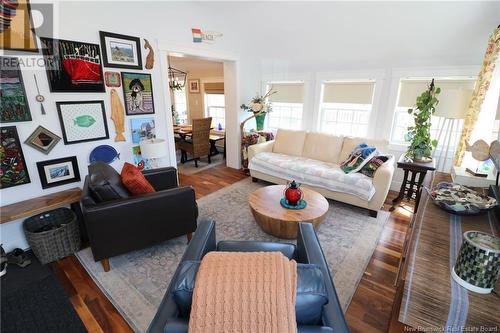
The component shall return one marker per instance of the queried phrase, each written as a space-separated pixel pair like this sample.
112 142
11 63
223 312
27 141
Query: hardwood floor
369 311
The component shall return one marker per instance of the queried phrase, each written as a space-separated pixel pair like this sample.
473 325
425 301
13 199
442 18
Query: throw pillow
134 180
361 155
376 162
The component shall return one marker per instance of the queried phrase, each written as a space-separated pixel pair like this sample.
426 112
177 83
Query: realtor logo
205 37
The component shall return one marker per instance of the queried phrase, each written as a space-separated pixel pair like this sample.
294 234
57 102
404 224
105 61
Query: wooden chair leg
196 162
105 264
189 236
209 160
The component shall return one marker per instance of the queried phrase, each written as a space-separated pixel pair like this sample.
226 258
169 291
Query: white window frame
207 110
185 102
267 86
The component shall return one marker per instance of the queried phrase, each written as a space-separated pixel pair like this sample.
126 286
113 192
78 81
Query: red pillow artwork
134 180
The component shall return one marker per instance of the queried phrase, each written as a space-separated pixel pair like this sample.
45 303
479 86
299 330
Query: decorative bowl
300 205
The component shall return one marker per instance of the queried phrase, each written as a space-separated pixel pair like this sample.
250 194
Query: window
287 105
447 122
216 109
345 107
180 105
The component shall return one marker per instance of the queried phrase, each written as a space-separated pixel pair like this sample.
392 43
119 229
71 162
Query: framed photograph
121 51
82 121
194 86
138 93
58 172
72 66
12 162
42 140
138 159
17 31
112 79
14 106
142 129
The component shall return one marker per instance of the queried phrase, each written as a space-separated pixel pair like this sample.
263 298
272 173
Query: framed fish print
138 93
14 106
12 162
72 66
121 51
58 172
16 27
82 121
42 140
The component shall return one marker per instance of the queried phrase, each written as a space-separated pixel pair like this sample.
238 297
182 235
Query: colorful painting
112 79
42 140
16 26
58 172
138 93
139 161
14 106
120 51
72 66
142 129
13 169
82 121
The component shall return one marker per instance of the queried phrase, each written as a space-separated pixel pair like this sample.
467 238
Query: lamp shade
453 103
155 148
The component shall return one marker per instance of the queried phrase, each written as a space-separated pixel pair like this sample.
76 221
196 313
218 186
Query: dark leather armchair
126 223
171 318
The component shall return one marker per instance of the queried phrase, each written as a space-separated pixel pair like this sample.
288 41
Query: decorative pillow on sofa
376 162
361 155
134 180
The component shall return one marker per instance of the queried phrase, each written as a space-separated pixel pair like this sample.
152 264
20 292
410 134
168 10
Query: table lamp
152 151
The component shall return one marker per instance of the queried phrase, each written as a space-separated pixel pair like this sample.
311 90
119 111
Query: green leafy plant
419 135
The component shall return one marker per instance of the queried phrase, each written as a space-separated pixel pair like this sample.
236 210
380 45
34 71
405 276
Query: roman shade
214 87
287 93
453 94
348 92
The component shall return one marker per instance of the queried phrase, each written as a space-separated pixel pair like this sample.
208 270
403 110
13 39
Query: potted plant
419 135
259 106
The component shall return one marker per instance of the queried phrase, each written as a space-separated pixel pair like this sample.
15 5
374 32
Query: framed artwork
58 172
72 66
12 162
82 121
138 159
194 86
14 106
112 79
16 27
142 129
121 51
138 93
42 140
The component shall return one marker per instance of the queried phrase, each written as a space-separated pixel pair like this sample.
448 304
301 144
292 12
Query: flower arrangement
259 106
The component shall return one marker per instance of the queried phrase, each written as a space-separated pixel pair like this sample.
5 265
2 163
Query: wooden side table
414 175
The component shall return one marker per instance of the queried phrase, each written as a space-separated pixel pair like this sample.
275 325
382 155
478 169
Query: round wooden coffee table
282 222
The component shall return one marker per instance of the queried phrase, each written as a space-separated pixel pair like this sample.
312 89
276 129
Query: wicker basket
53 244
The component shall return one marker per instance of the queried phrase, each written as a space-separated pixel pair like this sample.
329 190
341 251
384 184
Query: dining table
185 130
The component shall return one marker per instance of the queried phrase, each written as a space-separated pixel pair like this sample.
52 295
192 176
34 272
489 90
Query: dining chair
199 143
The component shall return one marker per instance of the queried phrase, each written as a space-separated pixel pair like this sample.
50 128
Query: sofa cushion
134 180
287 249
371 167
105 183
322 147
361 155
350 143
289 142
314 173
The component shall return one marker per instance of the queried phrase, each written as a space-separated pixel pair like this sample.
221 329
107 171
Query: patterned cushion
376 162
134 180
313 173
361 155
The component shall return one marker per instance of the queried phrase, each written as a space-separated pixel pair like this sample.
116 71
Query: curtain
482 85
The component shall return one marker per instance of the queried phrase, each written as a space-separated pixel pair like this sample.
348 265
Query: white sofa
313 159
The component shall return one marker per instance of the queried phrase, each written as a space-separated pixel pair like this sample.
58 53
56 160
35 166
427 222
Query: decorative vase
259 120
293 193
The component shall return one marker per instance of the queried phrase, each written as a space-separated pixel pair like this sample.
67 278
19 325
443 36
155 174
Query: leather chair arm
162 178
309 252
120 226
202 242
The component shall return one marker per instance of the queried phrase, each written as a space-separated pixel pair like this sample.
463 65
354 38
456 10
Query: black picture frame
60 80
12 161
106 57
61 165
64 128
9 68
146 81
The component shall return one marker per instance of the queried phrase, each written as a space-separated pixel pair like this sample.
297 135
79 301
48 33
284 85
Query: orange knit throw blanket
244 292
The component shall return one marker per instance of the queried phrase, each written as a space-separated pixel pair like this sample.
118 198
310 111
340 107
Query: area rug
189 168
138 280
